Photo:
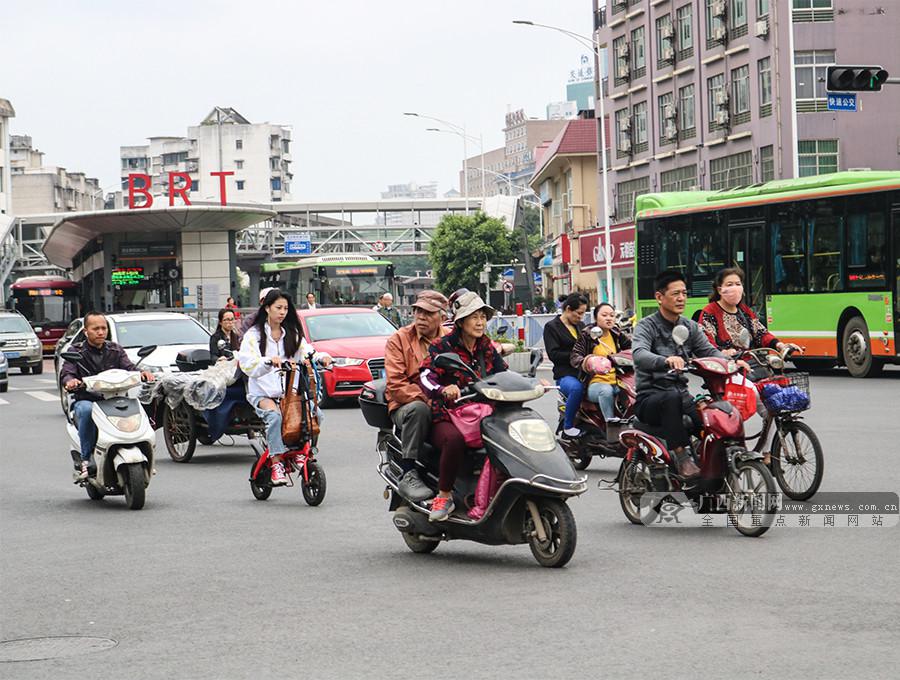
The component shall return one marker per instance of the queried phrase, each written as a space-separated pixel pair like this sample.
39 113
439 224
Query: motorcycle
309 470
535 476
122 462
732 478
600 438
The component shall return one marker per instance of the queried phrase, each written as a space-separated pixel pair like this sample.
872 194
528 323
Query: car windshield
332 326
14 324
142 332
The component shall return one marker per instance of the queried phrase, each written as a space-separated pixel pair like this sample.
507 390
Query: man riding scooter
97 355
662 395
409 408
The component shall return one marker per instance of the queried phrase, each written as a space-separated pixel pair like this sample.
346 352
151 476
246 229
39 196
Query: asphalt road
206 582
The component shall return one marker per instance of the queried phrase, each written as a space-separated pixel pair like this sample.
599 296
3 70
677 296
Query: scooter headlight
533 434
496 394
126 423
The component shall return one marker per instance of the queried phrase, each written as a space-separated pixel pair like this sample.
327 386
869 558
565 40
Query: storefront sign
127 276
594 253
136 249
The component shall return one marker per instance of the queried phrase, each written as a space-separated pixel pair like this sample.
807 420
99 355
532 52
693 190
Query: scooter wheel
261 485
634 482
314 490
560 531
418 545
581 460
93 492
135 487
752 491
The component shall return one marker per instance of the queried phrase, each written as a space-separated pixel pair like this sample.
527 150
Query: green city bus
821 257
335 279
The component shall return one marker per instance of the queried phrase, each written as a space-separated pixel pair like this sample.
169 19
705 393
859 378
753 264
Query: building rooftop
577 137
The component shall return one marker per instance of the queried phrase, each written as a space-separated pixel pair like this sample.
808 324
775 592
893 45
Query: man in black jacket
560 335
97 355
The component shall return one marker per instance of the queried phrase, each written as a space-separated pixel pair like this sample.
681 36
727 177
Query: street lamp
592 44
457 128
480 141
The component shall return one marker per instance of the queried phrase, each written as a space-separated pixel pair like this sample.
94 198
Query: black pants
666 409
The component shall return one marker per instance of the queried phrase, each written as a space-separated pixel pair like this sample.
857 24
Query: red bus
50 303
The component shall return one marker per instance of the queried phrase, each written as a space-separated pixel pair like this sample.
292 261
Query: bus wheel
858 350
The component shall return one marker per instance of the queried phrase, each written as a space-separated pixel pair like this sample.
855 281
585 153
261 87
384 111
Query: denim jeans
87 430
604 395
272 419
573 390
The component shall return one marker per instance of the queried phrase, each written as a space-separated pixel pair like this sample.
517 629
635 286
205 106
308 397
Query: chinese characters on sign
585 71
842 101
594 254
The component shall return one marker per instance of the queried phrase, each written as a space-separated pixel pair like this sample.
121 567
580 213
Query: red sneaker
278 476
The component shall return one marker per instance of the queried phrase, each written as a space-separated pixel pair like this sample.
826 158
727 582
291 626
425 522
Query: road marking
49 381
43 396
3 401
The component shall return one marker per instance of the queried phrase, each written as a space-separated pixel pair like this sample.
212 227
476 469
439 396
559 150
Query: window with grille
623 133
665 48
640 127
622 64
638 53
687 126
764 69
715 88
817 156
809 73
684 32
740 95
626 192
668 131
737 18
812 10
715 26
766 163
731 171
679 179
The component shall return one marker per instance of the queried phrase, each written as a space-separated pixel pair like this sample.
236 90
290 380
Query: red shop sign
594 254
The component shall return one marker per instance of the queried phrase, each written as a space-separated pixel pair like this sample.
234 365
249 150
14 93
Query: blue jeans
87 430
272 419
605 396
573 391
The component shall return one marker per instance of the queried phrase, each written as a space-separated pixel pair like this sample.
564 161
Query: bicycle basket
787 393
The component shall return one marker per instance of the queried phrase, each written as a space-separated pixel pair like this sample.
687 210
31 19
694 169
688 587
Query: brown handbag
311 405
292 407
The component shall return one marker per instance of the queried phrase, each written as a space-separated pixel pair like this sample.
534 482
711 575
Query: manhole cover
37 649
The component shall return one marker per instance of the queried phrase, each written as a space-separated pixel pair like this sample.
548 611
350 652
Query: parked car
21 345
355 337
170 331
4 371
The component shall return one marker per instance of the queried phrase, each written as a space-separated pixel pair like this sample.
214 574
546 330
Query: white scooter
122 462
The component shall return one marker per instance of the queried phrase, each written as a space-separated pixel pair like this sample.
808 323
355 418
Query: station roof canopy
74 231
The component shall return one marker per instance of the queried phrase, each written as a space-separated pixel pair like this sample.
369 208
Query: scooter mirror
680 334
596 332
146 351
221 345
503 330
71 356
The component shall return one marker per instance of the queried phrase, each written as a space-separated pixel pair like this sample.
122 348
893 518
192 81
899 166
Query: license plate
12 355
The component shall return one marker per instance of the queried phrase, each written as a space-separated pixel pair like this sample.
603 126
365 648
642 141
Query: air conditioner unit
625 125
625 146
669 112
666 32
671 131
622 72
722 98
762 28
718 8
623 51
722 117
719 33
668 54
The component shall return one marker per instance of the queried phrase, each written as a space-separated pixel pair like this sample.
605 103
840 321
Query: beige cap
469 303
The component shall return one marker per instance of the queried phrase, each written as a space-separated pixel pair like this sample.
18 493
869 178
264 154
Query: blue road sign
509 273
842 101
297 244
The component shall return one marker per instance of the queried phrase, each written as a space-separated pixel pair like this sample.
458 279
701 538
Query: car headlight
346 361
32 343
533 433
126 423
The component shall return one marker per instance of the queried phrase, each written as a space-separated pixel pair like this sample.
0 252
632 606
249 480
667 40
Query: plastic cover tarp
201 390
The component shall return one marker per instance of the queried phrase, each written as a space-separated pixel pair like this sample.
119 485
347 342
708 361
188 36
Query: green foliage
462 245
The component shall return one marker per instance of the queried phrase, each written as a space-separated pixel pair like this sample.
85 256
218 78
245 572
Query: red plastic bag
467 419
741 393
488 483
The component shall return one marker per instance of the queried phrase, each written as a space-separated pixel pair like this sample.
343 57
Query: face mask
733 294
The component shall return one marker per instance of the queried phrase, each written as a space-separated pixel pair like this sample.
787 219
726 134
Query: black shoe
412 488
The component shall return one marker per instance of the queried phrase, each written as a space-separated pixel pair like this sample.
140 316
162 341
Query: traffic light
855 78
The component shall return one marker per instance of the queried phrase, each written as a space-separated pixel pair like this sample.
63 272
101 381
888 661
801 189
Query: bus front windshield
354 290
47 310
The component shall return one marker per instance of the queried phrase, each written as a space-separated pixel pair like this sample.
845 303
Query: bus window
824 236
661 244
707 243
865 254
788 259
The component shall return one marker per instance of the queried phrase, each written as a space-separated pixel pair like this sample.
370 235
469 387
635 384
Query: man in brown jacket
407 404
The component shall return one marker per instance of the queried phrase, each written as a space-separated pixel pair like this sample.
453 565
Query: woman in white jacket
274 338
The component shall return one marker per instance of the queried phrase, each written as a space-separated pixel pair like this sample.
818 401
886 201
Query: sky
88 77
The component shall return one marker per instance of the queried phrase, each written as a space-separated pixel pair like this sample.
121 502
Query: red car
355 338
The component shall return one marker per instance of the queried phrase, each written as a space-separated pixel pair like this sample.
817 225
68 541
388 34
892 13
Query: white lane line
43 396
3 402
49 381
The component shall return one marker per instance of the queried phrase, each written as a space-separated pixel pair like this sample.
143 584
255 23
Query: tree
462 245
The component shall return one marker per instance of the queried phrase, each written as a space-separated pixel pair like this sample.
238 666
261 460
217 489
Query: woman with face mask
727 315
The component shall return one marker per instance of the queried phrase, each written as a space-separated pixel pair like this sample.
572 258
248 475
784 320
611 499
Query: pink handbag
488 483
467 419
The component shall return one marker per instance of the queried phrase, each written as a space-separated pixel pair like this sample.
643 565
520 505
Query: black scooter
537 478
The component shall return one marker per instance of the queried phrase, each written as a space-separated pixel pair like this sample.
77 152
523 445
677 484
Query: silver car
4 372
21 346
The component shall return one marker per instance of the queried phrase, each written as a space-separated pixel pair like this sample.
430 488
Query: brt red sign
594 252
182 191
